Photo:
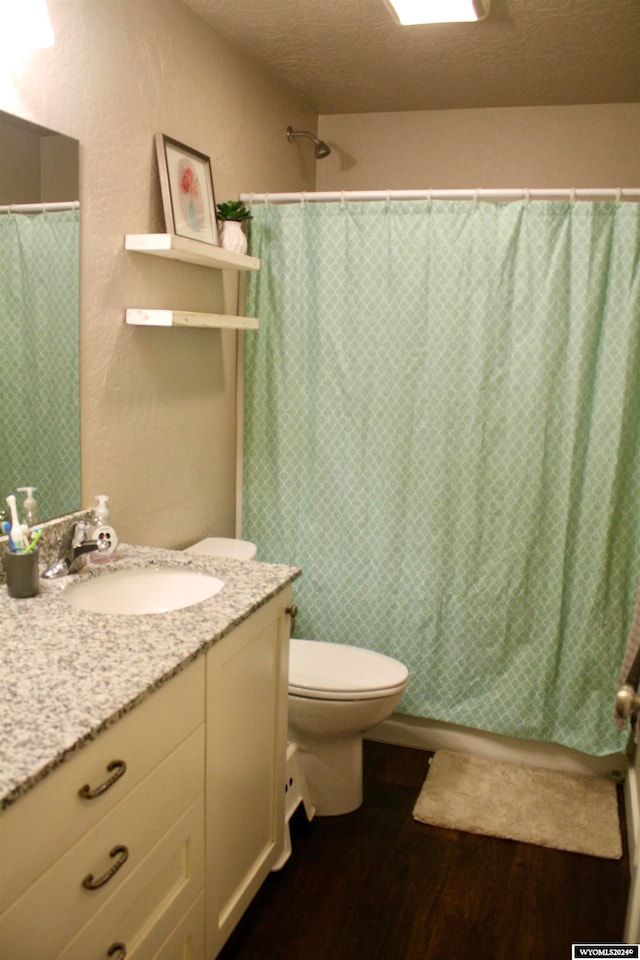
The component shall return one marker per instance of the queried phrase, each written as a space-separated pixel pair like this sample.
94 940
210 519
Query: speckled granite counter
67 675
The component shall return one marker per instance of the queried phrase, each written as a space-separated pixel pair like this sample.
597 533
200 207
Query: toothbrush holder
23 574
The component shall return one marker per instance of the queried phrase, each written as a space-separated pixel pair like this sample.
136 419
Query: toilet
337 693
224 547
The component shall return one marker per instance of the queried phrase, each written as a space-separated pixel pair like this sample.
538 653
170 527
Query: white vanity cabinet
149 843
111 874
247 685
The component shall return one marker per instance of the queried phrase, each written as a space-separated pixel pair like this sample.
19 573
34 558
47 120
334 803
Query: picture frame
186 185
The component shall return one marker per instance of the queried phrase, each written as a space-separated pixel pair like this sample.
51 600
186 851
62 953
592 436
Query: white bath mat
567 811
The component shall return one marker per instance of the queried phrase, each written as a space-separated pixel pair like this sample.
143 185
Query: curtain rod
579 193
40 207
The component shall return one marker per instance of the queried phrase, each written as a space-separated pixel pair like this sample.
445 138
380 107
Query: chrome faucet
73 550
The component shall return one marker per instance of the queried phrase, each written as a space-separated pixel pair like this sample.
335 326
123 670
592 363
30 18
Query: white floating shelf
191 251
182 318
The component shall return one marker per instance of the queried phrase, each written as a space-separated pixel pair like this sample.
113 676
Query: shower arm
321 148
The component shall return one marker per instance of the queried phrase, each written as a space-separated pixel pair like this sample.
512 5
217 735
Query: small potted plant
231 214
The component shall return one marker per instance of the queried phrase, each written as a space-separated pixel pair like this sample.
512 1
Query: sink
143 590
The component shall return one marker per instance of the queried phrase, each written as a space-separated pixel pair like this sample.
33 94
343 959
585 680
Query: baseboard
434 735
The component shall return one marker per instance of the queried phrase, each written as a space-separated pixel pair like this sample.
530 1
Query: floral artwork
187 191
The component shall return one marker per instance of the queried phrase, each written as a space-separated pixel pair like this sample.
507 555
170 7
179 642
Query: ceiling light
26 24
410 12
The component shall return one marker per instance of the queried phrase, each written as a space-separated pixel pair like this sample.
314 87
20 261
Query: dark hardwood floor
377 885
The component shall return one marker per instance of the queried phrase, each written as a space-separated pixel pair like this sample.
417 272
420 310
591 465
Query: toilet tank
224 547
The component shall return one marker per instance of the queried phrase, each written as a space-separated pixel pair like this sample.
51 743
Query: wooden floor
377 885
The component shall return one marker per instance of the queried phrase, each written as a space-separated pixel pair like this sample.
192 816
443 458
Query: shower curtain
442 428
39 292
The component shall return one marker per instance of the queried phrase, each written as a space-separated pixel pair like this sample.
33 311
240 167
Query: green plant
233 210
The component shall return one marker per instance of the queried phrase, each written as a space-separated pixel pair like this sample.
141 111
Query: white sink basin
143 590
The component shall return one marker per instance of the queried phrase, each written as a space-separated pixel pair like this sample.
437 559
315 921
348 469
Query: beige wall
158 406
19 165
36 168
574 146
59 176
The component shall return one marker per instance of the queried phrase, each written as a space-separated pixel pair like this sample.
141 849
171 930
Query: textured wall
158 406
19 165
573 146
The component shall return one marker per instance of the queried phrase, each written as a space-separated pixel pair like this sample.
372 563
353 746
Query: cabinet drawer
39 827
186 942
58 899
143 913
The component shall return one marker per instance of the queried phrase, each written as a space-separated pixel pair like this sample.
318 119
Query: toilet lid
335 671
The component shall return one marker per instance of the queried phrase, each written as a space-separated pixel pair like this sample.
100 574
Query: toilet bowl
336 693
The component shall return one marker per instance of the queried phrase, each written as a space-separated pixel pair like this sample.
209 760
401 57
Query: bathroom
121 72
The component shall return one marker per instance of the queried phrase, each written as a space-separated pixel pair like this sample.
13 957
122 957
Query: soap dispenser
101 512
30 507
103 532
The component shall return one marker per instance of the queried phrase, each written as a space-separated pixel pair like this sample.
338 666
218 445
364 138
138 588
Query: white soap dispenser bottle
103 532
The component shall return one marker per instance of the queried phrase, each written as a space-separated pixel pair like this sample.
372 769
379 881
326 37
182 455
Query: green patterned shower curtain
442 428
39 388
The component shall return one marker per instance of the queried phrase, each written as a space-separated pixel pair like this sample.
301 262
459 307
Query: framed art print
187 191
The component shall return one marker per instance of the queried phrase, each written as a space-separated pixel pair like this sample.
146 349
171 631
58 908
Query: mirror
39 316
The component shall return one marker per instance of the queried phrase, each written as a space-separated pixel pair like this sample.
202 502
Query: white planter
233 237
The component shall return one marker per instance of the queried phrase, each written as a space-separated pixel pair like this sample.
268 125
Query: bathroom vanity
143 765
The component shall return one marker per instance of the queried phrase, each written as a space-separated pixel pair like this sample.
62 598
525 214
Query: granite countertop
68 674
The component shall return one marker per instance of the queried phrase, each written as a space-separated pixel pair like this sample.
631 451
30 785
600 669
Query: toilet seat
335 671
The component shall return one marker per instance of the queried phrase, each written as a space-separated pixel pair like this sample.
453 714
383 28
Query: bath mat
567 811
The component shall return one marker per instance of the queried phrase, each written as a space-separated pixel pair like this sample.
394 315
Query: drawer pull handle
293 613
90 884
118 767
117 950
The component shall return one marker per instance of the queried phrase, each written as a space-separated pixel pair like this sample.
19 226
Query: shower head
320 147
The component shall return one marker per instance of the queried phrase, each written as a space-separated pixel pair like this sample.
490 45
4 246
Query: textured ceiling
350 56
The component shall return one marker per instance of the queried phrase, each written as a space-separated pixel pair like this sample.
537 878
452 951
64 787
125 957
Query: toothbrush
37 533
16 530
6 528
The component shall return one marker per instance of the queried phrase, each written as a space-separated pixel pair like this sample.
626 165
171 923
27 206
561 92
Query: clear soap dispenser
30 507
103 532
101 512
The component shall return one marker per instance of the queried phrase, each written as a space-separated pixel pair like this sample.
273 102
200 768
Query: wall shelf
202 255
190 251
182 318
